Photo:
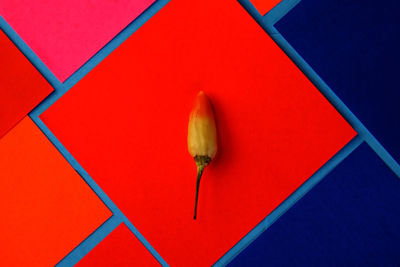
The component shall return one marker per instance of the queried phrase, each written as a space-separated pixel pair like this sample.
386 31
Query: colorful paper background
126 123
109 111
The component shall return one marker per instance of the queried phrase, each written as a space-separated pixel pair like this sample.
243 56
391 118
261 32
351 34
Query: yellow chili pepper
202 137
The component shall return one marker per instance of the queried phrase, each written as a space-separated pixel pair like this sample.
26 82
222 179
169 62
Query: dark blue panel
352 217
354 46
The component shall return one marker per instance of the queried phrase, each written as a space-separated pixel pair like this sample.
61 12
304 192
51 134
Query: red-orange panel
47 208
126 123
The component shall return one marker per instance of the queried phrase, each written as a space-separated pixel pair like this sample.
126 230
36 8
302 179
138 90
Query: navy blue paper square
351 218
354 47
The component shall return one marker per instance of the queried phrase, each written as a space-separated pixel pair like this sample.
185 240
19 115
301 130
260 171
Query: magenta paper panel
66 33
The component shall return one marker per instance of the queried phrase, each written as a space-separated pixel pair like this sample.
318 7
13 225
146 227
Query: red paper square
120 248
22 87
126 123
264 6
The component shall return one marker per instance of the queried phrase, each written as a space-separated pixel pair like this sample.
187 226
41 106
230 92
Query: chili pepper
202 137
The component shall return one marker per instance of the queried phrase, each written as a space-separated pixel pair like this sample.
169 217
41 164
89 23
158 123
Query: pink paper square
65 34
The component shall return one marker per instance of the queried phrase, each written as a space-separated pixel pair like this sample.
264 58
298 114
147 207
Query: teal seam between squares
266 22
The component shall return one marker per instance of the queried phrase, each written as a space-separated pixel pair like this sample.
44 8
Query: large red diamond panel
126 123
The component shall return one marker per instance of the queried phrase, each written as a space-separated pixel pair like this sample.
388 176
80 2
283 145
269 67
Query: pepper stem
199 173
201 162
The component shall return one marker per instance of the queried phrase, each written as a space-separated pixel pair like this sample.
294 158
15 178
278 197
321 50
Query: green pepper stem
201 163
200 170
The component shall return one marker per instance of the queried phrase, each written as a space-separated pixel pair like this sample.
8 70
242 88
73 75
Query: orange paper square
47 208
